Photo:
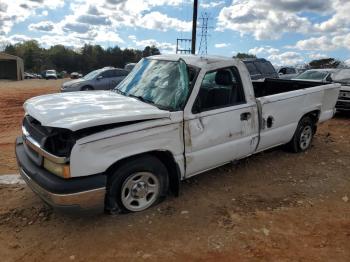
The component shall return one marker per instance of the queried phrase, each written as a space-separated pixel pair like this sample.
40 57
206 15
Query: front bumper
77 193
70 89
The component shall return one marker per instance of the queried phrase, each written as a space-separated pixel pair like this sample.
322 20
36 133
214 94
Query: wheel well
89 86
314 115
166 158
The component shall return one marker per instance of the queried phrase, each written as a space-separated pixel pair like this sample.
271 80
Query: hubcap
140 191
305 137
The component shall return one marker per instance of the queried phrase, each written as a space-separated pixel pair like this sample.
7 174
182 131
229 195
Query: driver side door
222 126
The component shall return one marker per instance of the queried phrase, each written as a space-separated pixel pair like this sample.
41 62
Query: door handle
245 116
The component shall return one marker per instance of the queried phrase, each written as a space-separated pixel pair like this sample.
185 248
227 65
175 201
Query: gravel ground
274 206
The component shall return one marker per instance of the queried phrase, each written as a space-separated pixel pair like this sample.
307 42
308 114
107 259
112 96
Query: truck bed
271 86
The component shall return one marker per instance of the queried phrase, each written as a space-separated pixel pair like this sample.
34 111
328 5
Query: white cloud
324 43
267 19
164 47
286 58
211 4
315 56
347 62
221 45
263 50
159 21
45 26
13 12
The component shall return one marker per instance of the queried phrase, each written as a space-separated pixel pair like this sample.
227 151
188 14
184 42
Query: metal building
11 67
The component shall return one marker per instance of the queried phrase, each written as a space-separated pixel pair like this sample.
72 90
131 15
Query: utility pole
194 26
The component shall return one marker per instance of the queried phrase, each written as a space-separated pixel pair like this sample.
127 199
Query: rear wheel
303 135
137 185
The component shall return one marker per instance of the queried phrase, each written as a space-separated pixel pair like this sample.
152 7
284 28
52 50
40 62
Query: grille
34 128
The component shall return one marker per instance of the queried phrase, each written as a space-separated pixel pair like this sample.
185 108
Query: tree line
83 60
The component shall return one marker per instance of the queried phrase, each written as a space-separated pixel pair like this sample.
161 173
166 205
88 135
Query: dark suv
260 68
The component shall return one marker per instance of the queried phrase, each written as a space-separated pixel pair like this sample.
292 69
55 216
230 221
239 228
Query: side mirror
99 77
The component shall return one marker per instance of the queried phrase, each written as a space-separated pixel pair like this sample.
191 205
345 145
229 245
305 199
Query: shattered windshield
161 83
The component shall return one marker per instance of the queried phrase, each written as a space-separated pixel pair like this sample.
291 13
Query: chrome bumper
91 199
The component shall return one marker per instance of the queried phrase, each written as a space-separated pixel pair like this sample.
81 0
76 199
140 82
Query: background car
101 79
74 75
129 66
29 76
288 72
50 74
260 68
331 75
319 75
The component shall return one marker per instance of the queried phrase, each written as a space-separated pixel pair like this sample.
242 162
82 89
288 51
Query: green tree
150 50
244 55
324 63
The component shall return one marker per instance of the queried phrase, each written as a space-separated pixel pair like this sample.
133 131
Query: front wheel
303 135
87 88
137 185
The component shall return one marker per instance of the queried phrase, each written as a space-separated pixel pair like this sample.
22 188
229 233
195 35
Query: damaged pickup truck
172 117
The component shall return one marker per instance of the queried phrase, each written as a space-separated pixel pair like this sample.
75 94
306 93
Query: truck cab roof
194 60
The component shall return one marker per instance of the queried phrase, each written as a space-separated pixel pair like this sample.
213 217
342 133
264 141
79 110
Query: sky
287 32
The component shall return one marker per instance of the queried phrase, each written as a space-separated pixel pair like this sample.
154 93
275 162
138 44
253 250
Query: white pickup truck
172 117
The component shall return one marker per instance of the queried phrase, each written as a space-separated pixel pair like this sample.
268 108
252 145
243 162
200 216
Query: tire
136 185
86 88
302 138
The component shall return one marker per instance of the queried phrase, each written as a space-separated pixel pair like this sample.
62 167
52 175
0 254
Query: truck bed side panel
282 112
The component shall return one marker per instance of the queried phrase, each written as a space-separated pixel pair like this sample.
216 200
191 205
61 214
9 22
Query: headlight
60 170
344 94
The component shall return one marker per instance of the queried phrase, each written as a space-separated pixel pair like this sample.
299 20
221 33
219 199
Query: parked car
260 68
29 76
129 66
341 76
318 75
101 79
288 72
126 149
74 75
50 74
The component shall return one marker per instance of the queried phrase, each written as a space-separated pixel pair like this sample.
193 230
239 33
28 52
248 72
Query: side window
283 71
219 88
266 68
252 69
107 74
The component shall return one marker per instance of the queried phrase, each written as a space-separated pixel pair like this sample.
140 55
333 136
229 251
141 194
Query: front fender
97 153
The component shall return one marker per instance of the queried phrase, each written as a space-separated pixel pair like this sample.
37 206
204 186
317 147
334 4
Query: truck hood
80 110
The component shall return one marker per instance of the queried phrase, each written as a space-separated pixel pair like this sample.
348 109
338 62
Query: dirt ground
274 206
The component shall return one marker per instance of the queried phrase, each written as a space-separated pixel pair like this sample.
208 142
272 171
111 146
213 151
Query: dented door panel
216 137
